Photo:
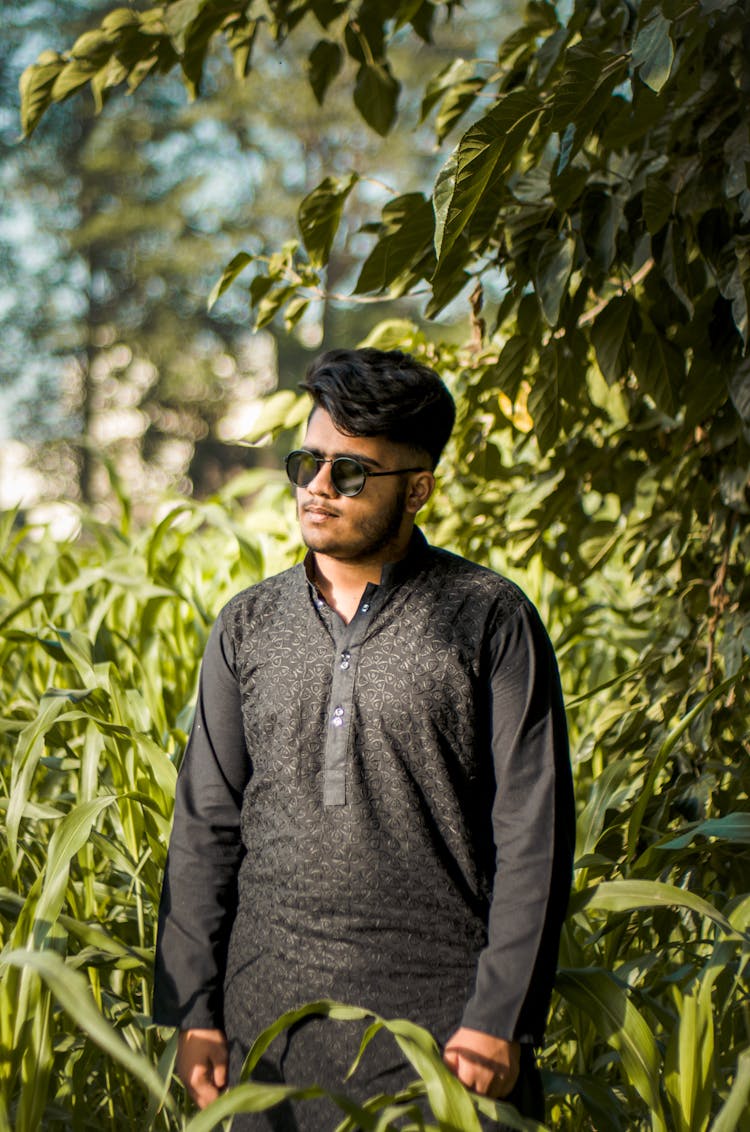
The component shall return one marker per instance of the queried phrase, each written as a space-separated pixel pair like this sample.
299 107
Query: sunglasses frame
333 461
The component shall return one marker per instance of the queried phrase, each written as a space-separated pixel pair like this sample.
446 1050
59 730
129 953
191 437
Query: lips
316 509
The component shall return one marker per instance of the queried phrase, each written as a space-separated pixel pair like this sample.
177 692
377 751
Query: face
375 524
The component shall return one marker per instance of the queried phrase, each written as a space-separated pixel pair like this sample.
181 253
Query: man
375 804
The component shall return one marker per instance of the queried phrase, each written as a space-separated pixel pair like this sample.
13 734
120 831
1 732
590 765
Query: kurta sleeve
533 820
199 892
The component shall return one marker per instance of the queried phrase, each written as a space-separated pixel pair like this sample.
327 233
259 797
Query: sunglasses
348 476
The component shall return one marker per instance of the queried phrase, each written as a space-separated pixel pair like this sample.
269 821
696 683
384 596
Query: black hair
370 392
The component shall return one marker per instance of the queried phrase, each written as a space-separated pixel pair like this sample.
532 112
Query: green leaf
734 284
544 400
320 213
688 1066
449 1100
35 87
72 991
582 94
323 65
674 266
552 272
486 149
280 410
405 237
507 372
601 216
456 72
660 369
628 895
393 334
376 94
272 302
253 1096
28 752
614 1015
658 203
653 50
735 1107
180 17
610 337
70 835
235 266
665 750
295 311
731 827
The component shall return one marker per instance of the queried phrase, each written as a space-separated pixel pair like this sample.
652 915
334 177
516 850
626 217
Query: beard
356 538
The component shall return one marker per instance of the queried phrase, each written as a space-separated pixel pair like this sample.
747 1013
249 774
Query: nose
321 483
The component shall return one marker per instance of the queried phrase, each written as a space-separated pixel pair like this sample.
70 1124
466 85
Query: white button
338 711
365 607
338 722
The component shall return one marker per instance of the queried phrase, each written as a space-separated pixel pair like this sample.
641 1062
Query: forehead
322 436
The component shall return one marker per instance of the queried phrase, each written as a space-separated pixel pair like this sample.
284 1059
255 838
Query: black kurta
379 812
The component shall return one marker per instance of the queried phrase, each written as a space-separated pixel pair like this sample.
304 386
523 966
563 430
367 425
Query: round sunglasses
348 475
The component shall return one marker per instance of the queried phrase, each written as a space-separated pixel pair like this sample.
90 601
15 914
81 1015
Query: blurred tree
119 222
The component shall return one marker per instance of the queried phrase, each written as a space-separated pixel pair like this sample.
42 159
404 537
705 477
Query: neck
342 581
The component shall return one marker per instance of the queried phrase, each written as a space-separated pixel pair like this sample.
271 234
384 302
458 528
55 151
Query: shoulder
263 600
469 581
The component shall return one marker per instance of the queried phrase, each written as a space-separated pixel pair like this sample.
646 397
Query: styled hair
386 393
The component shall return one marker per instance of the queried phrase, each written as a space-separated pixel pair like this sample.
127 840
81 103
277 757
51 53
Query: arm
533 824
199 891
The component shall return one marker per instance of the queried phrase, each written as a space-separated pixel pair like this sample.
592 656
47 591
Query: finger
450 1057
204 1092
220 1074
200 1086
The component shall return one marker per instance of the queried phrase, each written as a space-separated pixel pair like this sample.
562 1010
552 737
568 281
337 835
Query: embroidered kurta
379 812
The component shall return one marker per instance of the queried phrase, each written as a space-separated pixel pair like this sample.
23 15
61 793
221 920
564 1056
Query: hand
488 1065
202 1057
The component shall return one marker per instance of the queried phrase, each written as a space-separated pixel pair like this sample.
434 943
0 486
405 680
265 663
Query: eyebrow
366 460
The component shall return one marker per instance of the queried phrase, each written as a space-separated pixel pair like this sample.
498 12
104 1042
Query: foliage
596 209
115 225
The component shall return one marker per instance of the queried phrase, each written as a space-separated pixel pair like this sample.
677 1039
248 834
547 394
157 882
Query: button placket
348 639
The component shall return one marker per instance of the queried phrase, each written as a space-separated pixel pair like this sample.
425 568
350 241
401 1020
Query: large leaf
72 991
236 265
376 94
660 368
324 63
552 272
544 399
735 1107
653 50
581 96
731 827
486 149
319 216
610 1008
456 89
688 1067
449 1100
666 749
611 339
405 237
628 895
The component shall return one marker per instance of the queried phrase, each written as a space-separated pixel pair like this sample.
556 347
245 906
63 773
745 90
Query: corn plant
100 641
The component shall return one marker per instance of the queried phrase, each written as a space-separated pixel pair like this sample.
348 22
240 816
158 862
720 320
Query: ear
421 487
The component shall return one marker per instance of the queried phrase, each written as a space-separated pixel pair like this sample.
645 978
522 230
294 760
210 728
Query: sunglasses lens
348 476
301 467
